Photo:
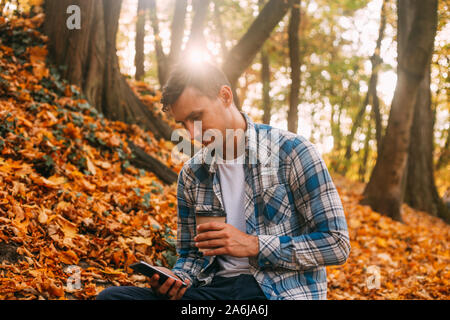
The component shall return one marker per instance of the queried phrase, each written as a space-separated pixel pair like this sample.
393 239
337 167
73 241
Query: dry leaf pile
411 258
68 194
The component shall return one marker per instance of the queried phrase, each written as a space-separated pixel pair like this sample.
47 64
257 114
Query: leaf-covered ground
412 258
68 194
70 197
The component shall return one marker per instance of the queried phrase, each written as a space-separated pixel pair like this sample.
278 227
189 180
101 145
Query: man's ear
226 95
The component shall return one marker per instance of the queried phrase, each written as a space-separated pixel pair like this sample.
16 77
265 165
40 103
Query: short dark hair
205 77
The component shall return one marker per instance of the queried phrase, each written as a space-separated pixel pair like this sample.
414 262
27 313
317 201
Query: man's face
193 106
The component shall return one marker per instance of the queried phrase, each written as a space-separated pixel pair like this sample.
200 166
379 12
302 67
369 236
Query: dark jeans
243 287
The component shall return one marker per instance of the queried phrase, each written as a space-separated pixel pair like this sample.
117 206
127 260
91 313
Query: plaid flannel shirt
293 208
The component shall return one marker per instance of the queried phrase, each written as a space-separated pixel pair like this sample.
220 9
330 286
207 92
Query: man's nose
190 128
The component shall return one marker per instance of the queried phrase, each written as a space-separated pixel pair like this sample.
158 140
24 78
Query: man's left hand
222 238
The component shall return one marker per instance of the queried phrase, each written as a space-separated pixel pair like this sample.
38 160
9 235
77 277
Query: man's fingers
210 235
154 281
215 252
210 243
173 293
164 288
181 292
211 226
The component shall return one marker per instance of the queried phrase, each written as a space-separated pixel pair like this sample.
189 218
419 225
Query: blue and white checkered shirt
293 207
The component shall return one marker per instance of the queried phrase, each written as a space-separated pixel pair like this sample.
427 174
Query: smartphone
148 270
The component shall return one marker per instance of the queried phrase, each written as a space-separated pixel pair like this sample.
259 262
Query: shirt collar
250 147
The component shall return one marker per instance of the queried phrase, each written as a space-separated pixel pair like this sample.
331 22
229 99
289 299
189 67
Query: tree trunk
139 42
219 29
89 55
421 192
177 33
196 37
376 62
243 53
372 95
294 56
165 63
363 166
265 79
444 157
144 161
160 56
417 22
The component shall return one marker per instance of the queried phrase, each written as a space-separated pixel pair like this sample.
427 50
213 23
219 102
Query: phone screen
148 270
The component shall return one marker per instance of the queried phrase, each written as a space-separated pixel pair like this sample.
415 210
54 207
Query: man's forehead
187 103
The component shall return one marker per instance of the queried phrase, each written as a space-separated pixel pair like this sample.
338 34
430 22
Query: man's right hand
170 288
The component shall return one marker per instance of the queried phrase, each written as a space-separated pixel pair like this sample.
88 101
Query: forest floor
74 213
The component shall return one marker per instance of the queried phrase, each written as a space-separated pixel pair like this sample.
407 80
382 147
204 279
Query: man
284 218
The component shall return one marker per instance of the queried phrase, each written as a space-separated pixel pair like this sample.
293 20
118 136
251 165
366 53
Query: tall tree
219 28
142 10
165 62
196 37
371 95
160 56
420 191
417 21
444 157
176 33
294 57
90 60
265 79
243 53
89 55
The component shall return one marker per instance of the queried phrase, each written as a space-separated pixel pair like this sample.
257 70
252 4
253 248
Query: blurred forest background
85 151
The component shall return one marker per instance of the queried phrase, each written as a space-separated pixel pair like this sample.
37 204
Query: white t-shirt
232 183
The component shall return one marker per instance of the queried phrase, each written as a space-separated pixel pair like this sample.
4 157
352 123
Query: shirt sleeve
190 262
317 200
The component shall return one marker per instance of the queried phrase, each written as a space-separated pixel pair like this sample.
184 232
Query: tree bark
139 42
363 166
160 56
294 56
416 32
421 192
177 32
243 53
196 37
265 79
444 157
219 29
89 55
372 95
145 161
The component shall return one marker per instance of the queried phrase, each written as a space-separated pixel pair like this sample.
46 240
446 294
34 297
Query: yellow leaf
381 242
70 229
43 218
35 2
91 166
140 240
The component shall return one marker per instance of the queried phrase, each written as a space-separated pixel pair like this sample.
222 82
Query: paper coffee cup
205 219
